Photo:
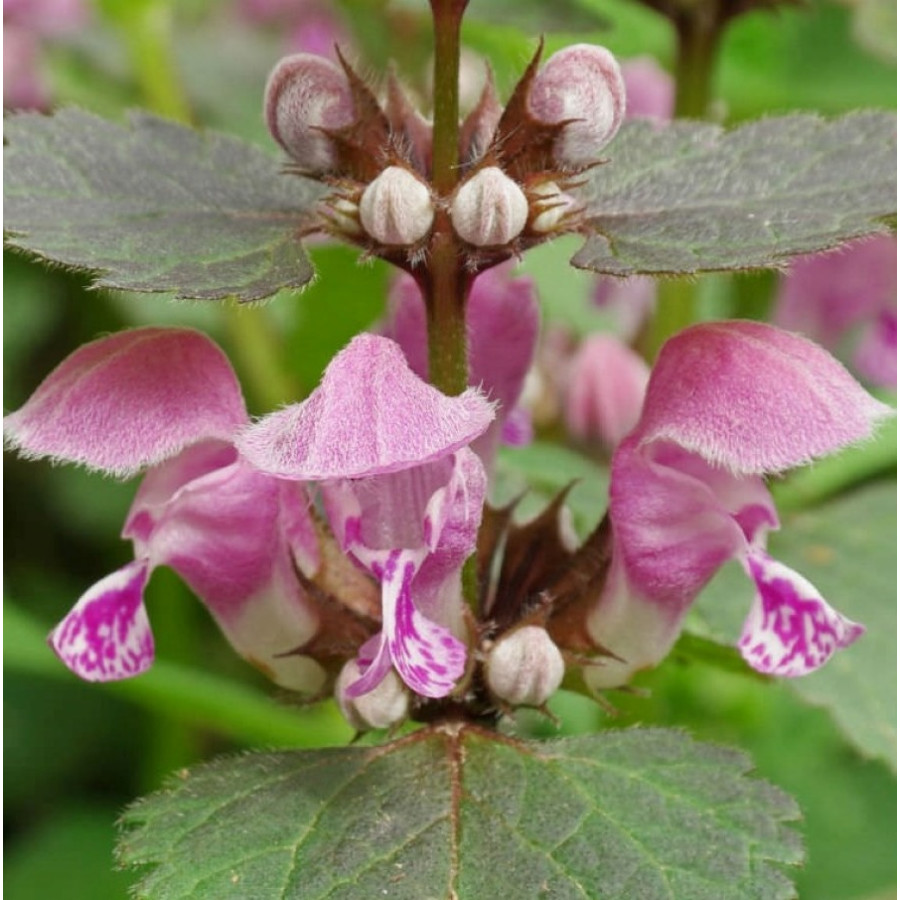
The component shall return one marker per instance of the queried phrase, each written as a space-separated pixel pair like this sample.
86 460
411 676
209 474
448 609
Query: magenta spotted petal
752 398
130 400
106 636
370 415
791 629
426 655
413 530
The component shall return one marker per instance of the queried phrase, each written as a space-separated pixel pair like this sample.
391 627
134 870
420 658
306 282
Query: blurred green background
76 754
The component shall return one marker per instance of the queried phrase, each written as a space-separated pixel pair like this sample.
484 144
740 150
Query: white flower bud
304 93
583 83
383 707
396 208
552 204
344 216
525 668
489 209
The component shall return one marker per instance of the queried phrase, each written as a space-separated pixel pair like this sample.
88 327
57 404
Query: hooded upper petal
752 398
370 415
130 400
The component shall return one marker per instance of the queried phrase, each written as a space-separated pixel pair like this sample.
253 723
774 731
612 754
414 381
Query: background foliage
76 754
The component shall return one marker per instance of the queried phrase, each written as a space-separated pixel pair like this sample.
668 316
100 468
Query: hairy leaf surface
453 811
155 206
688 197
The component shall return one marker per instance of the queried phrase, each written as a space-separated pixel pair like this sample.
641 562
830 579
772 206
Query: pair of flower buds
513 161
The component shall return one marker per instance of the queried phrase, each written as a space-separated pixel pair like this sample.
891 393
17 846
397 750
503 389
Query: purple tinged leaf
130 400
155 206
370 415
686 197
106 635
791 629
753 398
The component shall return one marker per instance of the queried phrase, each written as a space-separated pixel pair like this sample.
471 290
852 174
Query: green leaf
454 811
690 197
155 206
848 549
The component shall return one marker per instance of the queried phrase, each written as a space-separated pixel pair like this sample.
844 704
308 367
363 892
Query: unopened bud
551 205
525 668
344 216
384 706
305 93
583 83
489 209
605 393
396 208
650 89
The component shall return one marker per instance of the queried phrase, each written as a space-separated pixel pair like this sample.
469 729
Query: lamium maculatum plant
367 546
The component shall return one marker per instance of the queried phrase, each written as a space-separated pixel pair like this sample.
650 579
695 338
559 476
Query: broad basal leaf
848 549
456 812
689 197
155 206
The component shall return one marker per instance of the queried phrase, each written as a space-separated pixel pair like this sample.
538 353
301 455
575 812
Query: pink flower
403 494
27 25
167 400
605 389
726 403
312 26
649 89
846 300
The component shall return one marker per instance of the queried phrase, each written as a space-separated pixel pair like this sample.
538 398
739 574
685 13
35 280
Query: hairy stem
445 296
445 161
445 285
